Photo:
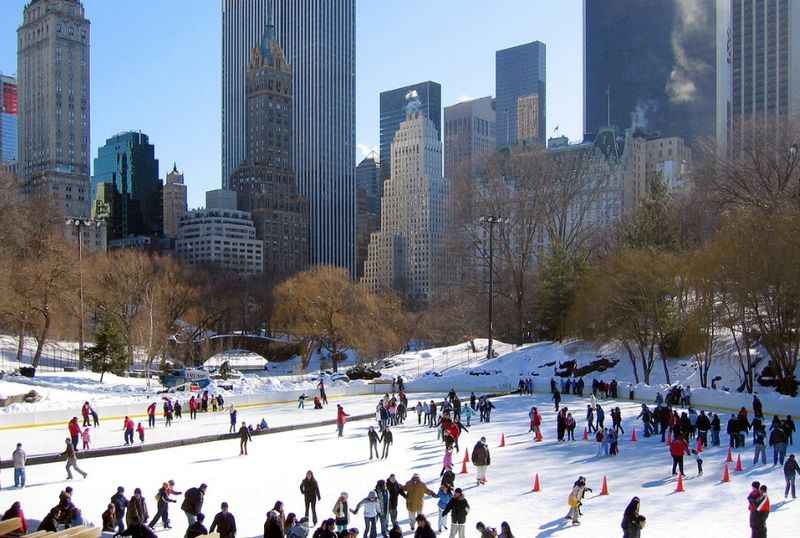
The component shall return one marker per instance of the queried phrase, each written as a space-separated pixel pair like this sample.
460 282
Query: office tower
369 189
521 94
175 203
8 120
469 136
765 59
53 89
318 39
407 253
651 65
265 182
127 160
393 113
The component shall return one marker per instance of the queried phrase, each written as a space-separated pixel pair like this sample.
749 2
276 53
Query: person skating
137 529
74 432
387 439
151 416
224 523
72 460
415 490
178 410
109 518
677 449
777 440
759 512
486 532
310 491
373 438
193 502
15 511
395 491
372 509
458 508
443 499
341 418
244 438
632 520
232 414
299 529
341 512
322 394
272 526
301 401
575 500
557 399
759 446
120 503
505 528
19 459
481 458
790 471
137 508
162 507
424 529
127 427
197 528
85 413
140 431
86 439
95 418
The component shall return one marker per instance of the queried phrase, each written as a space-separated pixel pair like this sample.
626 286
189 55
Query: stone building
175 202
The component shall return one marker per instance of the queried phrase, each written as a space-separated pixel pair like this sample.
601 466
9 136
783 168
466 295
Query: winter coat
196 529
109 521
298 530
310 489
424 532
193 501
137 509
341 416
395 490
790 468
576 496
373 437
341 512
272 529
371 507
70 454
415 493
678 447
387 437
139 531
225 524
74 429
632 525
444 498
19 457
458 510
120 504
777 436
480 455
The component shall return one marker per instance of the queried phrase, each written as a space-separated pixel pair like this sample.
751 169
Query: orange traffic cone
726 475
466 456
604 488
536 485
633 436
464 467
729 459
739 468
679 487
586 434
502 440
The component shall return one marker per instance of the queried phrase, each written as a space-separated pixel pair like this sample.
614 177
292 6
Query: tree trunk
40 342
632 357
21 342
663 354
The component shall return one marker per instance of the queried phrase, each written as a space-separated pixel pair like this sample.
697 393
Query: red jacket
140 429
537 419
151 409
129 424
85 410
341 416
192 404
74 429
678 447
454 431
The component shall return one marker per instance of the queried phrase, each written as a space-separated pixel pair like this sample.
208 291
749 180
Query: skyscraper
393 113
265 182
469 135
407 253
8 119
318 39
521 93
369 185
127 160
175 203
650 64
53 88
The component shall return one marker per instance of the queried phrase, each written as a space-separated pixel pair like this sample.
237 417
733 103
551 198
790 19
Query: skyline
175 61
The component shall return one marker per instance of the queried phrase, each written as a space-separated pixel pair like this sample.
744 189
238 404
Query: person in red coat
192 408
341 418
11 513
140 431
677 449
74 432
128 426
151 415
85 412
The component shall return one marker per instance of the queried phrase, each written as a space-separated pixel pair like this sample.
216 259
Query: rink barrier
43 459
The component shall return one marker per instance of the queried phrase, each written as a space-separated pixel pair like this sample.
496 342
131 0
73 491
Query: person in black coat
632 521
244 438
424 529
373 438
120 503
162 512
387 438
458 508
758 409
137 529
310 490
395 490
197 528
224 523
193 502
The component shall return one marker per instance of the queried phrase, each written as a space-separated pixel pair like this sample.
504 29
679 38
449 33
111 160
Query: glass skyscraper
393 113
650 64
8 119
318 39
521 93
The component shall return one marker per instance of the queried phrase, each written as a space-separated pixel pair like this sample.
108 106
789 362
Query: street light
79 224
491 220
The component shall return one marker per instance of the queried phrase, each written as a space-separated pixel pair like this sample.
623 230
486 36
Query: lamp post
80 224
491 220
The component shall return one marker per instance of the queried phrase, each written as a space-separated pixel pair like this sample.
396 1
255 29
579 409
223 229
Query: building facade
393 113
469 136
521 91
369 185
54 112
407 254
9 105
651 64
318 39
127 160
265 182
175 202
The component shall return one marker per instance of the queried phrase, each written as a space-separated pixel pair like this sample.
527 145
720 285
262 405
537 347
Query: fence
54 358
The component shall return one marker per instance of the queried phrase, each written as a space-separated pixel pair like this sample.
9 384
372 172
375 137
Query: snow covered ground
277 463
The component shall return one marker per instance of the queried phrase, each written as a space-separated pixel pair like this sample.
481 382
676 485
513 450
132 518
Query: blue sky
156 65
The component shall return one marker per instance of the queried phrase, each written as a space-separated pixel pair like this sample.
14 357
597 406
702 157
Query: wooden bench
10 525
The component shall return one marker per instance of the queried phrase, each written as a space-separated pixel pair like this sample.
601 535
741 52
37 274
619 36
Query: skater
699 461
151 417
109 518
197 528
444 496
590 419
192 408
458 508
777 440
74 432
193 502
224 523
341 418
140 431
244 438
85 413
415 490
570 427
467 412
138 529
759 512
424 529
632 521
322 394
162 507
299 528
486 532
72 460
556 399
395 491
383 502
715 430
272 526
373 438
310 491
86 438
232 414
677 449
758 446
301 401
790 471
575 500
447 461
137 509
127 426
178 411
341 513
19 458
120 504
481 458
387 438
372 510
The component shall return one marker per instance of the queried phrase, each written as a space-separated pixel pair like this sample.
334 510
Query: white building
407 254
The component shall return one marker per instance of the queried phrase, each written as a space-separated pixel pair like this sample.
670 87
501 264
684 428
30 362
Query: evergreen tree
558 279
109 352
